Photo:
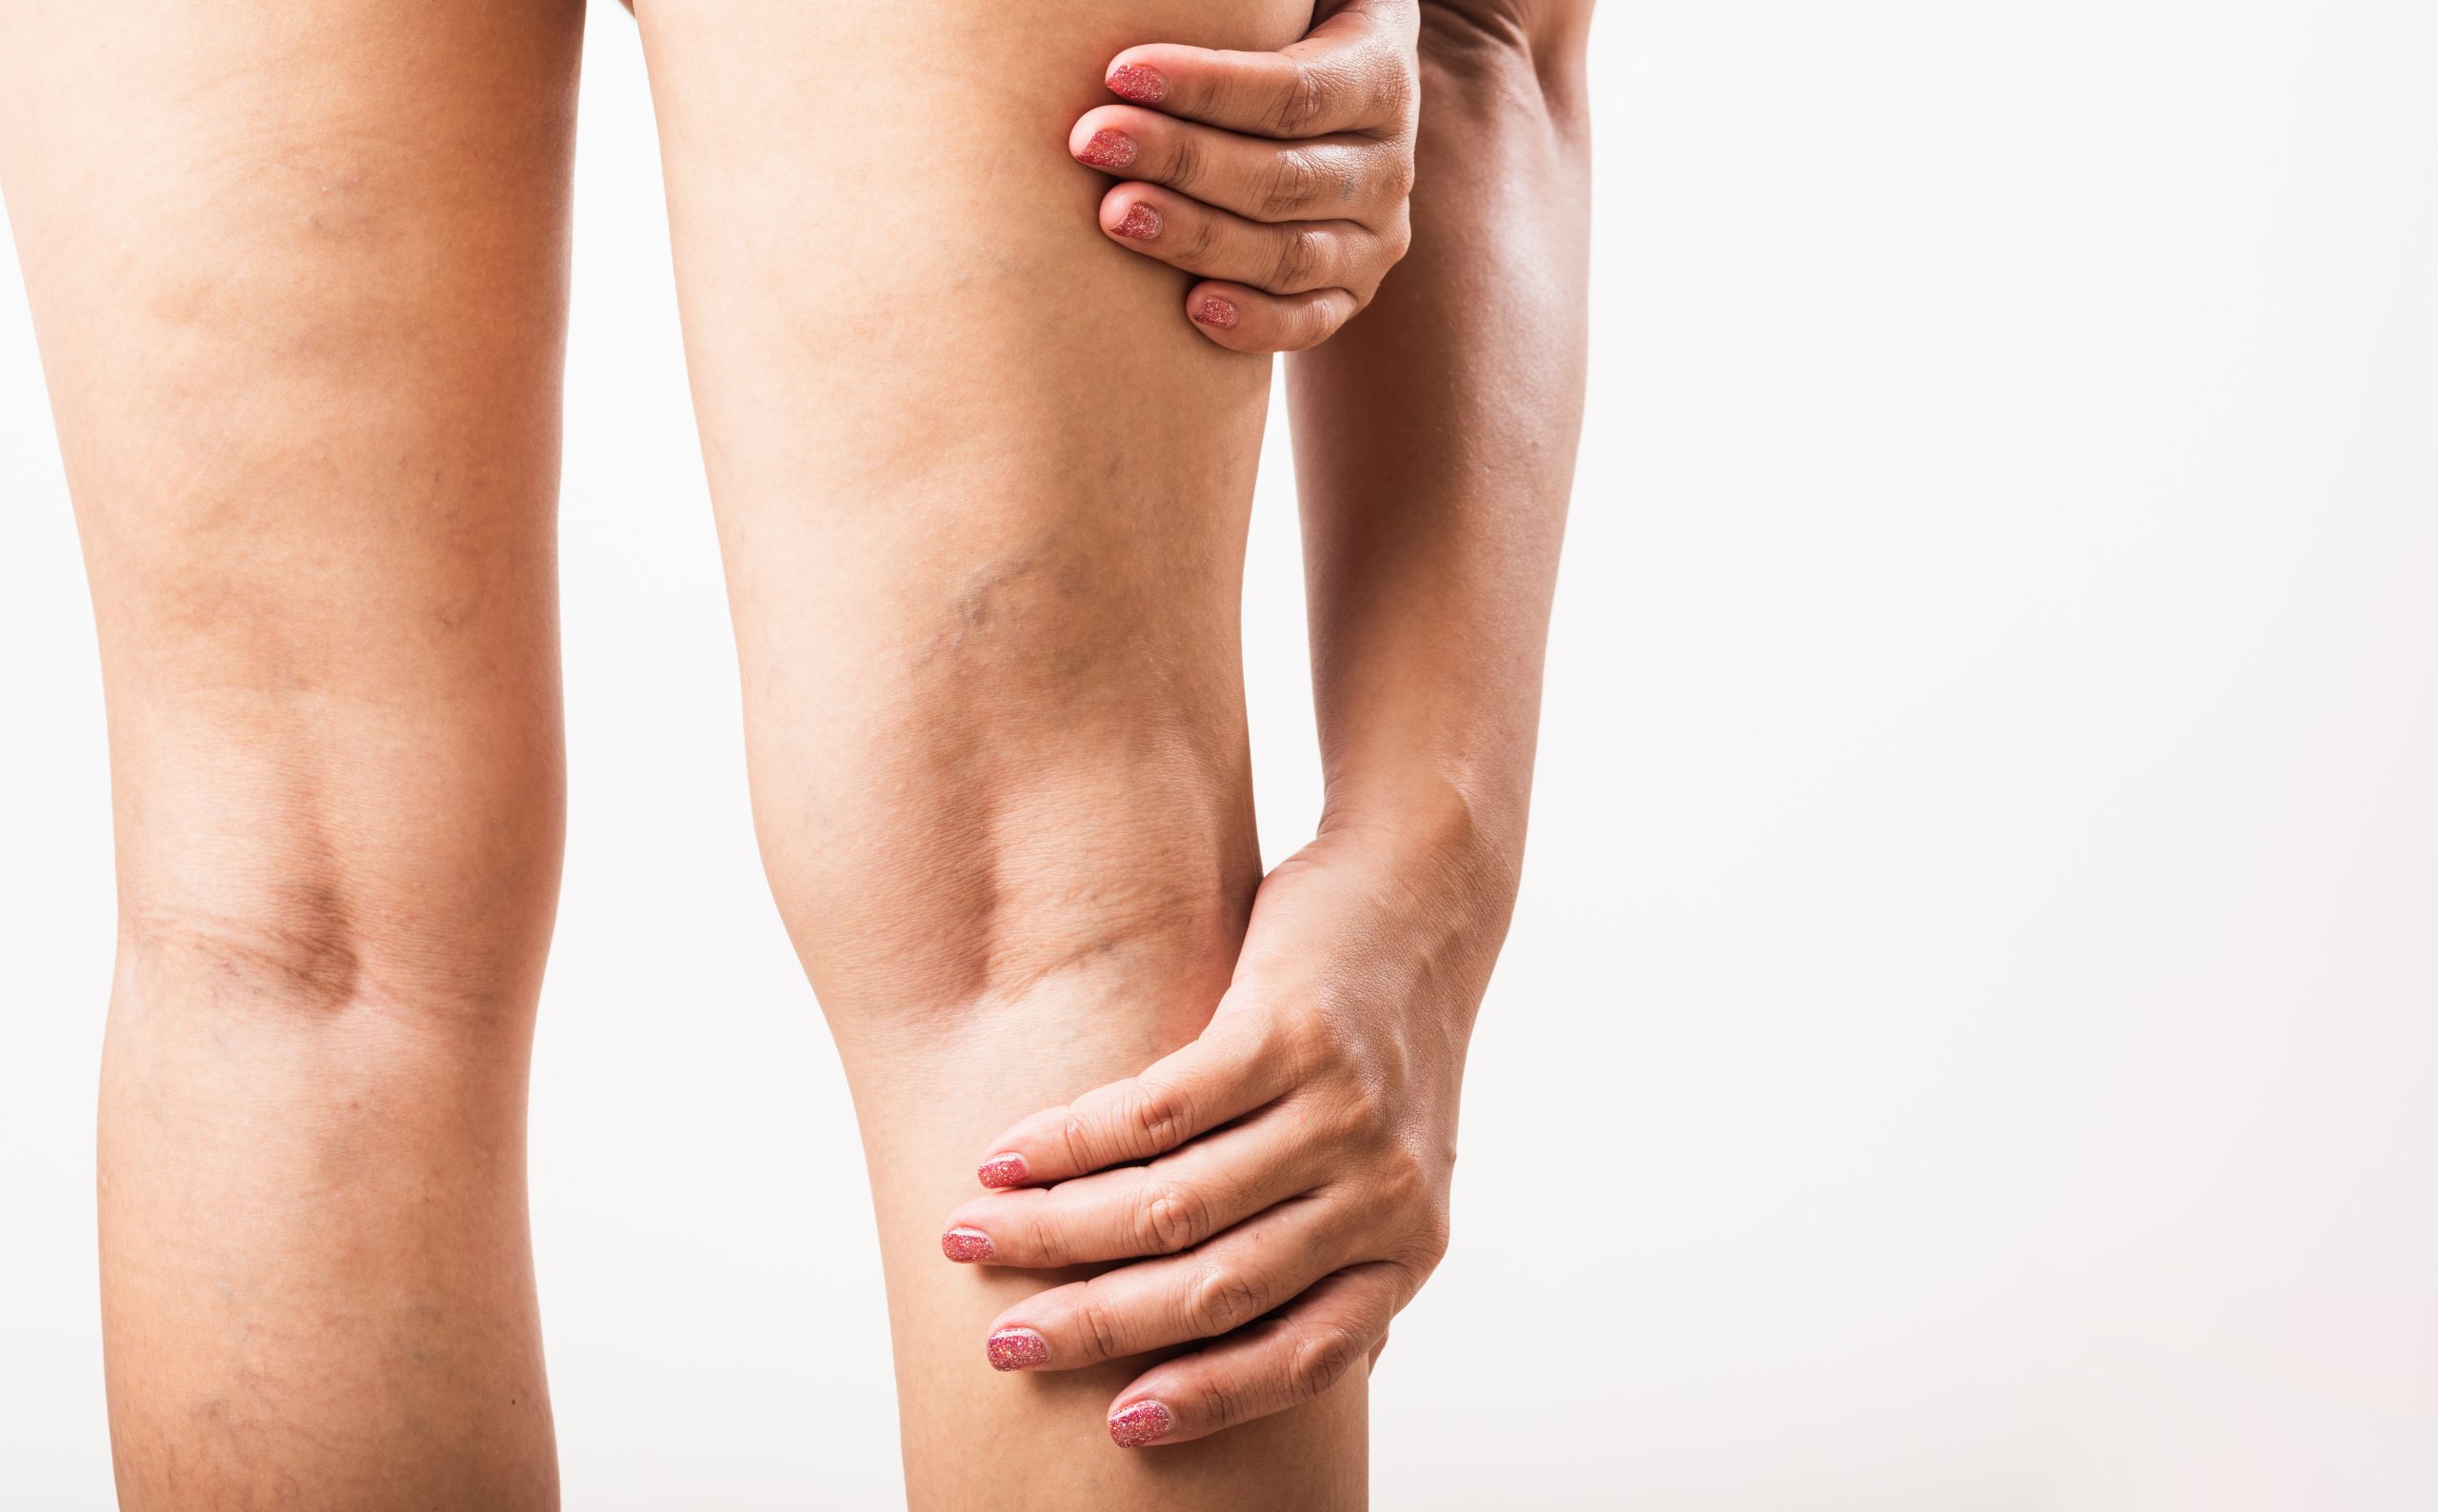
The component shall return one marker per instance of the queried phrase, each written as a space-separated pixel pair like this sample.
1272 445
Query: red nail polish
1142 222
1002 1170
1108 150
966 1245
1216 313
1141 1423
1139 84
1016 1348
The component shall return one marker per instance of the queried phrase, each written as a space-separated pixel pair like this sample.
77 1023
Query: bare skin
298 291
981 479
1283 174
982 518
1282 1182
1003 619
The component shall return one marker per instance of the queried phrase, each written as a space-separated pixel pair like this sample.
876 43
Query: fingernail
1142 222
1016 1348
1109 149
966 1245
1139 84
1141 1423
1002 1171
1216 312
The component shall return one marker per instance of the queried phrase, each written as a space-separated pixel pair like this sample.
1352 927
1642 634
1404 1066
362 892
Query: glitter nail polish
1139 84
1217 312
1108 150
1142 222
1002 1170
966 1245
1015 1348
1141 1423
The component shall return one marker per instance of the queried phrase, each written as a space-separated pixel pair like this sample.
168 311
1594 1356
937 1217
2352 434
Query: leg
297 270
983 498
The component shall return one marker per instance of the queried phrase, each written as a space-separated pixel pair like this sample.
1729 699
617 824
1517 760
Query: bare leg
297 266
983 499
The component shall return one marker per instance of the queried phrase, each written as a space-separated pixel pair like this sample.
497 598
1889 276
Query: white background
1968 1038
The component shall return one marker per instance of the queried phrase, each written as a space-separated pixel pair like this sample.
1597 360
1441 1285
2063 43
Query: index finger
1355 72
1220 1077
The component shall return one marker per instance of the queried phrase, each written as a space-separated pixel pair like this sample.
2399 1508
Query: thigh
981 496
981 491
297 274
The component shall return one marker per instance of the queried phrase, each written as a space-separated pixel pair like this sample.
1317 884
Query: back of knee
336 918
1079 881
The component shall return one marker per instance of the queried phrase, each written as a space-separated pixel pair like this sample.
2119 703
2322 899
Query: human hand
1299 1152
1281 178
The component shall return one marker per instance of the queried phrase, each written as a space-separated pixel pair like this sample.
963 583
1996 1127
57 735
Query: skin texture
982 509
982 495
298 292
1282 1183
1290 170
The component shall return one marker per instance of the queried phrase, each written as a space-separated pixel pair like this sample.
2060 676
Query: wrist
1440 831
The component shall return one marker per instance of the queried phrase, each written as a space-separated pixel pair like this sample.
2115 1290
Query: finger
1282 1364
1201 1294
1234 1068
1354 72
1340 177
1249 320
1173 1203
1293 259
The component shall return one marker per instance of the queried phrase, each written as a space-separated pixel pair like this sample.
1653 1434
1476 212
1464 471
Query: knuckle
1419 1176
1426 1232
1290 184
1298 104
1314 325
1398 238
1401 90
1400 1183
1337 1048
1171 1217
1359 1117
1222 1299
1042 1239
1201 240
1279 1039
1159 1113
1296 261
1302 1037
1437 1233
1415 1264
1075 1135
1221 1399
1097 1325
1320 1360
1187 163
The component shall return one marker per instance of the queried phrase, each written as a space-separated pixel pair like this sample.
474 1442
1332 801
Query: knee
341 917
313 958
1071 882
295 951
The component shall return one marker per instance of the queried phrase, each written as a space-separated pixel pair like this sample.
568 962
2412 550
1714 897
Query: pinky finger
1253 320
1268 1369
